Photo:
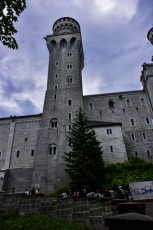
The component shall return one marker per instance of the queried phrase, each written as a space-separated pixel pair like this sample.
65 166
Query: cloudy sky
114 34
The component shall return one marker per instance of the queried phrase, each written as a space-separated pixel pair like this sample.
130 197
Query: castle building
32 147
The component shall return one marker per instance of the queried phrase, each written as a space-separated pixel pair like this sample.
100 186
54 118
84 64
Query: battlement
66 25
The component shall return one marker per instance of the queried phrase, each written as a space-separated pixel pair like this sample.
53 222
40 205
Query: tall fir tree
84 161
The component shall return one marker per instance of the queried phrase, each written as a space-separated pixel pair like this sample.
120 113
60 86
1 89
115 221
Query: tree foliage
84 162
133 170
10 10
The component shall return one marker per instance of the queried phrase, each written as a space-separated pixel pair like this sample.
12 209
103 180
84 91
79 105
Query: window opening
69 102
133 137
56 87
148 152
91 106
132 122
54 123
32 152
144 136
111 104
147 120
142 101
128 102
18 153
111 148
136 153
70 116
56 63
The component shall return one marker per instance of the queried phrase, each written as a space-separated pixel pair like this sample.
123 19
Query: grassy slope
10 221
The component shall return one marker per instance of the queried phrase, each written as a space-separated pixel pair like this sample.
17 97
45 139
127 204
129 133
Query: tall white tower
62 100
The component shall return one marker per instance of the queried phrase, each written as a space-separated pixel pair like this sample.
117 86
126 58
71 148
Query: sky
115 44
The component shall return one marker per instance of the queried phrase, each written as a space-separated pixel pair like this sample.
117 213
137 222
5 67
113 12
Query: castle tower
147 74
62 99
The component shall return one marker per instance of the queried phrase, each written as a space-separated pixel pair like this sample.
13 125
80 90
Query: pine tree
84 162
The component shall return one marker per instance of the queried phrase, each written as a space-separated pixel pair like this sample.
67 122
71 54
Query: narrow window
100 112
148 152
123 110
56 75
107 131
147 120
132 136
18 153
144 136
32 152
136 153
110 131
50 150
111 148
69 102
56 63
142 101
0 154
91 106
128 102
132 122
70 127
55 97
56 87
54 150
70 116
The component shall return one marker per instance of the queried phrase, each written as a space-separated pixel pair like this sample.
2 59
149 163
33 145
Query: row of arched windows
63 45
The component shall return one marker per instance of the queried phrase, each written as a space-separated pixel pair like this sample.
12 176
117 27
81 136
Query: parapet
66 25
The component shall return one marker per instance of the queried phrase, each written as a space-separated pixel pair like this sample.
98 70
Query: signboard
142 190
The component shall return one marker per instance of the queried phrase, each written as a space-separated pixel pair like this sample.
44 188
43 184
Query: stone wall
85 211
91 212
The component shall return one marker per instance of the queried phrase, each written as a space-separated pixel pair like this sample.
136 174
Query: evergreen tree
84 162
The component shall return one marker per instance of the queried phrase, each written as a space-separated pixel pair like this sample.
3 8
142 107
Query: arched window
111 104
56 87
63 44
69 79
136 153
91 106
52 151
132 122
53 45
53 123
73 43
128 102
142 101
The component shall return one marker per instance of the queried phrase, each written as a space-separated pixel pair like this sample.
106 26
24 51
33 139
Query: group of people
33 191
118 193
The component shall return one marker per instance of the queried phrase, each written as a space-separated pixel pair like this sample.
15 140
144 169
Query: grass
13 221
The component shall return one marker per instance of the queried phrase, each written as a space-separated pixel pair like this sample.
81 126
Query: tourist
120 193
26 192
